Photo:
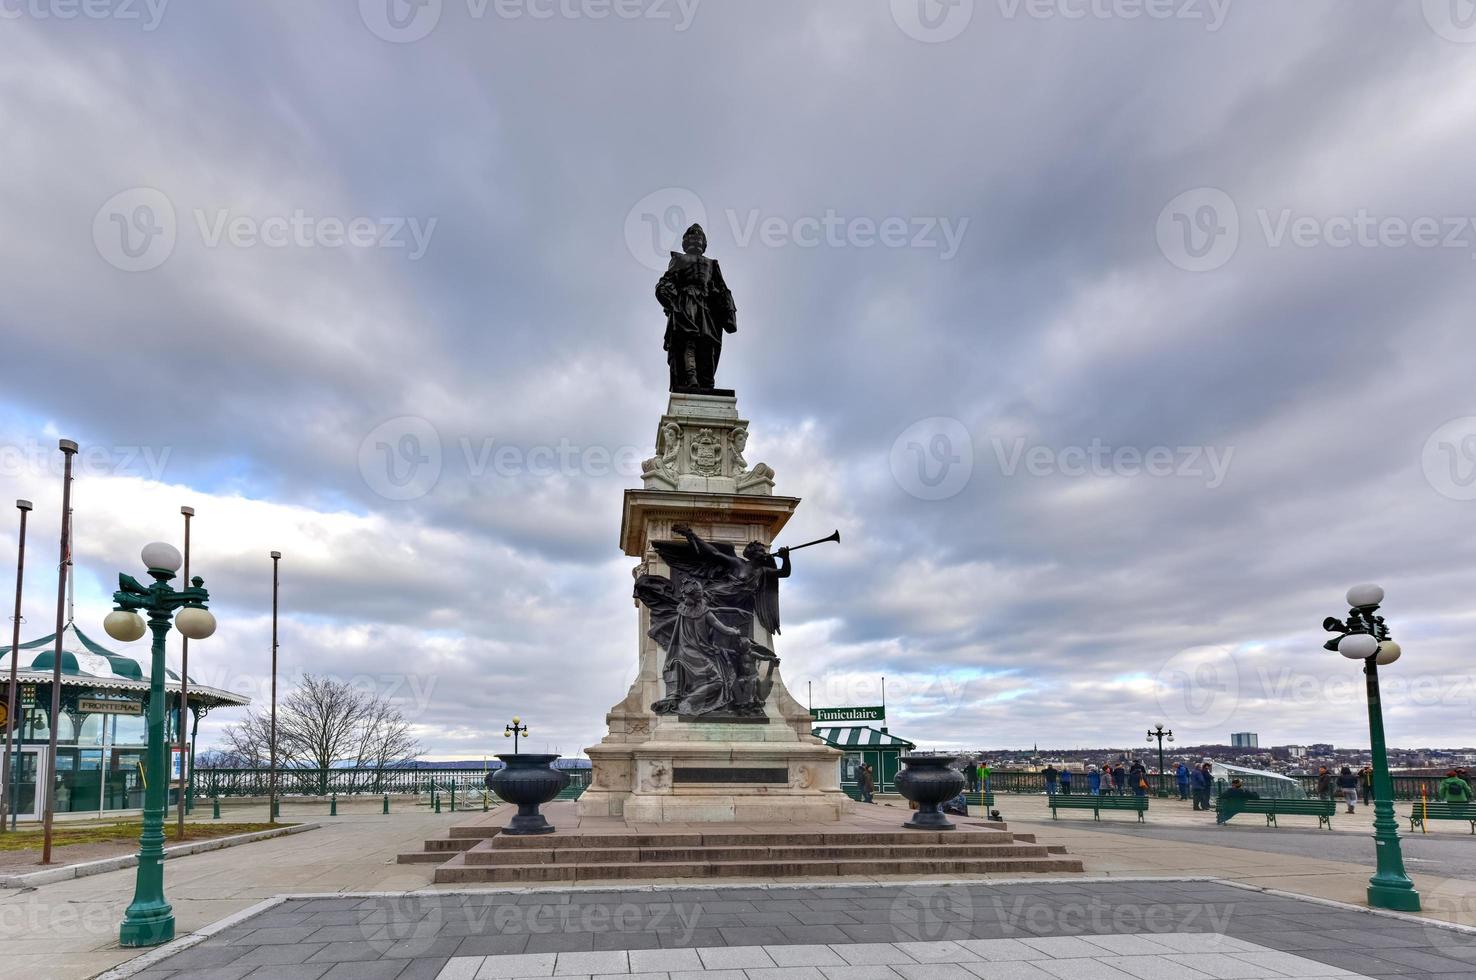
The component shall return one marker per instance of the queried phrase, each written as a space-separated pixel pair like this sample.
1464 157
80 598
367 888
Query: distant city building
1320 748
1245 740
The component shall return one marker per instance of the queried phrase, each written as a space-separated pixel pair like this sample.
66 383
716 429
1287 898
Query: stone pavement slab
1074 929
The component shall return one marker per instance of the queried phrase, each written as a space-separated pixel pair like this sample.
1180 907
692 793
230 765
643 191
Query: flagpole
68 450
12 716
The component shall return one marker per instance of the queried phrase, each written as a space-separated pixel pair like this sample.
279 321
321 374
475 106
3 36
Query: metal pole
12 716
68 450
184 679
149 919
1161 792
272 733
1390 887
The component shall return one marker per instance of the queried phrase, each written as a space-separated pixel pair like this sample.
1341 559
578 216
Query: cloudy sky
1119 337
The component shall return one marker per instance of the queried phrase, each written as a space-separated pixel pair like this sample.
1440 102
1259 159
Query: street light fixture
514 730
149 920
1159 732
1364 636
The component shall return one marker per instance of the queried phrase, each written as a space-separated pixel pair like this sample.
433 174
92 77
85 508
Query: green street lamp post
1160 733
514 730
1364 636
149 920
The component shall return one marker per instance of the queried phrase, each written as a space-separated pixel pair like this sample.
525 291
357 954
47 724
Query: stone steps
721 838
757 853
439 849
458 871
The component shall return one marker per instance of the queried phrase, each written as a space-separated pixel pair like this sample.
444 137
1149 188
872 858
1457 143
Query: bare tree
386 738
322 723
248 743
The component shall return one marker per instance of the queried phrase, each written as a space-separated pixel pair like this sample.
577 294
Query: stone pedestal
654 768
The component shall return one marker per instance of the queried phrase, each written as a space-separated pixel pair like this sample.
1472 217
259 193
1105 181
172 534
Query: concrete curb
71 871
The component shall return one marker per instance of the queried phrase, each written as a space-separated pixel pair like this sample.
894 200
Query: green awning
861 737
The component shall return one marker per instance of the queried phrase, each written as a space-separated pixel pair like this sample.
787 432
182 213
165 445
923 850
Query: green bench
1442 811
1096 804
1323 810
985 800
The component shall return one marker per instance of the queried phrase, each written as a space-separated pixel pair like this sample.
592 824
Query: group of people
1111 778
1346 785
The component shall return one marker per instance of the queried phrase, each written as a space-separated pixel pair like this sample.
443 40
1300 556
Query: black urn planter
529 781
929 780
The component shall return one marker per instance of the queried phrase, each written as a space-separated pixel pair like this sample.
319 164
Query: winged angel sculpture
703 618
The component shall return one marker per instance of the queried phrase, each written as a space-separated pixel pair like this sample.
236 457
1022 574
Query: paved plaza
1098 930
68 930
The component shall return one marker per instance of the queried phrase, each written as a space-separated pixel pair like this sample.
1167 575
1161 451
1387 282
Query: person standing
1201 781
1119 778
972 772
1137 773
867 782
1453 789
1365 783
1052 778
1094 781
1348 787
1065 782
1181 776
1324 784
984 770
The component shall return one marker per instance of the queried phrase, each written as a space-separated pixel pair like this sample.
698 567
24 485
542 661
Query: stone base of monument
721 766
721 782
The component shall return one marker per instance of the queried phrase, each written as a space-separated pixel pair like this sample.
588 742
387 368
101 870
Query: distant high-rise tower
1245 740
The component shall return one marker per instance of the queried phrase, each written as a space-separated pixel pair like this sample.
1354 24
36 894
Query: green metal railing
469 783
1018 781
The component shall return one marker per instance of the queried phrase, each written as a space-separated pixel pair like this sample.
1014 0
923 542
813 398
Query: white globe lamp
195 623
124 626
162 556
1358 646
1367 594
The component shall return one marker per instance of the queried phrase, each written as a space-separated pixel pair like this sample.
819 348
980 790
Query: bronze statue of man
699 310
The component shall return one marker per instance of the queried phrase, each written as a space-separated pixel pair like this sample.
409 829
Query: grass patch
123 832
